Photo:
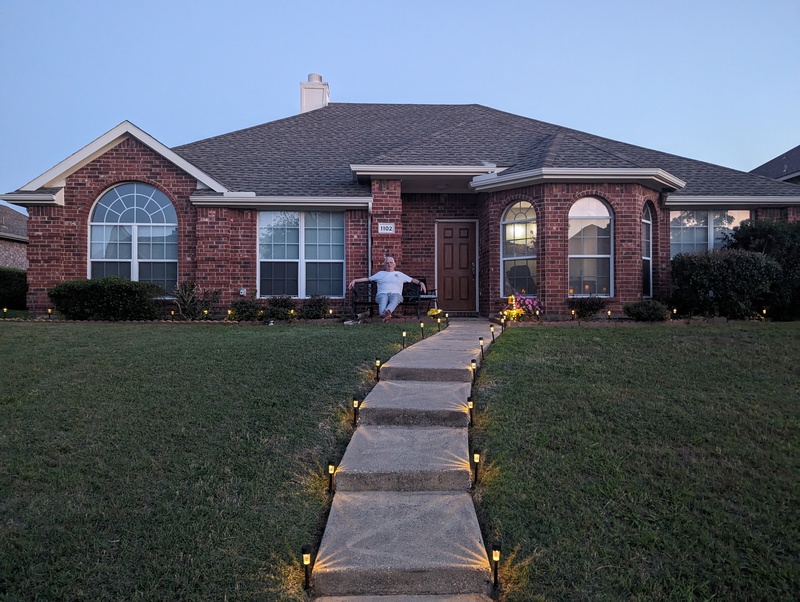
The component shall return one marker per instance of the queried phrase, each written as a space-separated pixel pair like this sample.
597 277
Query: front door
455 266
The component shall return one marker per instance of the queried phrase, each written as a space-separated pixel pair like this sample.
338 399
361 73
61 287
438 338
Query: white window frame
134 259
713 234
503 259
301 259
647 251
610 256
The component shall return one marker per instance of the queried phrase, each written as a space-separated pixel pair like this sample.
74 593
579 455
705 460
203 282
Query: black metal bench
363 297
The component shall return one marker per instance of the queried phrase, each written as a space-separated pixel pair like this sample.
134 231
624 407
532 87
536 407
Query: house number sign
385 228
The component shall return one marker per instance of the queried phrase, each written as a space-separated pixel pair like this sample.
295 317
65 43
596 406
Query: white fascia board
56 176
249 200
650 177
28 199
423 170
677 200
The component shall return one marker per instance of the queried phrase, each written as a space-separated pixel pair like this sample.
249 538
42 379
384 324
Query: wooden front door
455 266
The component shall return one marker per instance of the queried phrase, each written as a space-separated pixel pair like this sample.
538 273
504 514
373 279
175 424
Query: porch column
45 256
387 225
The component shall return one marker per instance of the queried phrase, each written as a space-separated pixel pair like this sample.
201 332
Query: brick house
13 239
480 202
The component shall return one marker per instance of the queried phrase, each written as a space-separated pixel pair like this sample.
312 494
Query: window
133 233
301 253
647 252
590 245
697 231
519 249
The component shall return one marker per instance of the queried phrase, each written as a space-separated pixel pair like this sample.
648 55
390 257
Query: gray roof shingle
310 154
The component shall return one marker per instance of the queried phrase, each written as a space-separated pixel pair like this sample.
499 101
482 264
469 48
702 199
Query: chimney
314 93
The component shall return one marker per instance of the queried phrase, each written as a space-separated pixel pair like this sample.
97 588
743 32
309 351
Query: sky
714 80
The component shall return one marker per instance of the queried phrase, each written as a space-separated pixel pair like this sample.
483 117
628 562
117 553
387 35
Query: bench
363 297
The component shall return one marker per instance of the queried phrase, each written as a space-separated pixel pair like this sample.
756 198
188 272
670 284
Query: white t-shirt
390 282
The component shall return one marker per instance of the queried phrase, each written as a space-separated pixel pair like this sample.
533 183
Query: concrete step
444 598
392 543
414 403
444 357
392 458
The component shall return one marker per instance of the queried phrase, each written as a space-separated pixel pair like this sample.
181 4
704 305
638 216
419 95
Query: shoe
387 315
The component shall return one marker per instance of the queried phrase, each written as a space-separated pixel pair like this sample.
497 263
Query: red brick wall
58 249
387 207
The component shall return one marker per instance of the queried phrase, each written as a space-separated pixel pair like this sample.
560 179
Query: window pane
647 285
325 279
324 236
164 274
520 277
589 276
725 222
279 235
279 278
688 232
101 269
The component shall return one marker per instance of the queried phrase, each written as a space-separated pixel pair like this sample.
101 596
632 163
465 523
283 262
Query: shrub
725 282
246 310
781 242
13 288
192 300
315 308
110 298
280 308
587 307
648 310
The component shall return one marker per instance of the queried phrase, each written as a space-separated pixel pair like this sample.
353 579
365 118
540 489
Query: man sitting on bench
390 287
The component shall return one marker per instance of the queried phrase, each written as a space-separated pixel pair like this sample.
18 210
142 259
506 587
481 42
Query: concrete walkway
402 524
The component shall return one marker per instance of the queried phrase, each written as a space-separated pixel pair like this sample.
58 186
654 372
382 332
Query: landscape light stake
447 319
470 406
404 339
49 313
306 552
474 366
330 313
355 412
5 310
438 325
609 314
205 314
480 342
172 315
377 368
491 329
573 315
674 312
331 472
422 329
496 545
476 460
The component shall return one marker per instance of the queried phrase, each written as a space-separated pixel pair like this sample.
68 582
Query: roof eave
654 178
401 171
249 200
32 199
677 200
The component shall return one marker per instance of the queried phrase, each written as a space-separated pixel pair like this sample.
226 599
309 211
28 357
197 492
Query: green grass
647 463
171 461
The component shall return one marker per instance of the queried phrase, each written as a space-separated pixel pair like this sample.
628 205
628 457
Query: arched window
591 229
133 233
519 249
647 251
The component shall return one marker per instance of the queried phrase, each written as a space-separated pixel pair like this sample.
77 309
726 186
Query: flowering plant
433 312
521 308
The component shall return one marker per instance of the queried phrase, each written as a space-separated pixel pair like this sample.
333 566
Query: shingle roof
310 154
785 165
13 224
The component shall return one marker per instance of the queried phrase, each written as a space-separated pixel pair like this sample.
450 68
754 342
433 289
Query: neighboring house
785 168
480 202
13 239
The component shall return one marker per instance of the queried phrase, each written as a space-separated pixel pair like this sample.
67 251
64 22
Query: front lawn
647 463
171 461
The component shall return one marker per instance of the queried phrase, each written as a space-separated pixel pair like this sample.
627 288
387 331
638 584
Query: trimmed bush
246 310
280 308
111 298
648 310
13 288
315 308
587 307
781 242
725 282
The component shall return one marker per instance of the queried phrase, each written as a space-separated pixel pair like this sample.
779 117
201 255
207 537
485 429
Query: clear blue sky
714 80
